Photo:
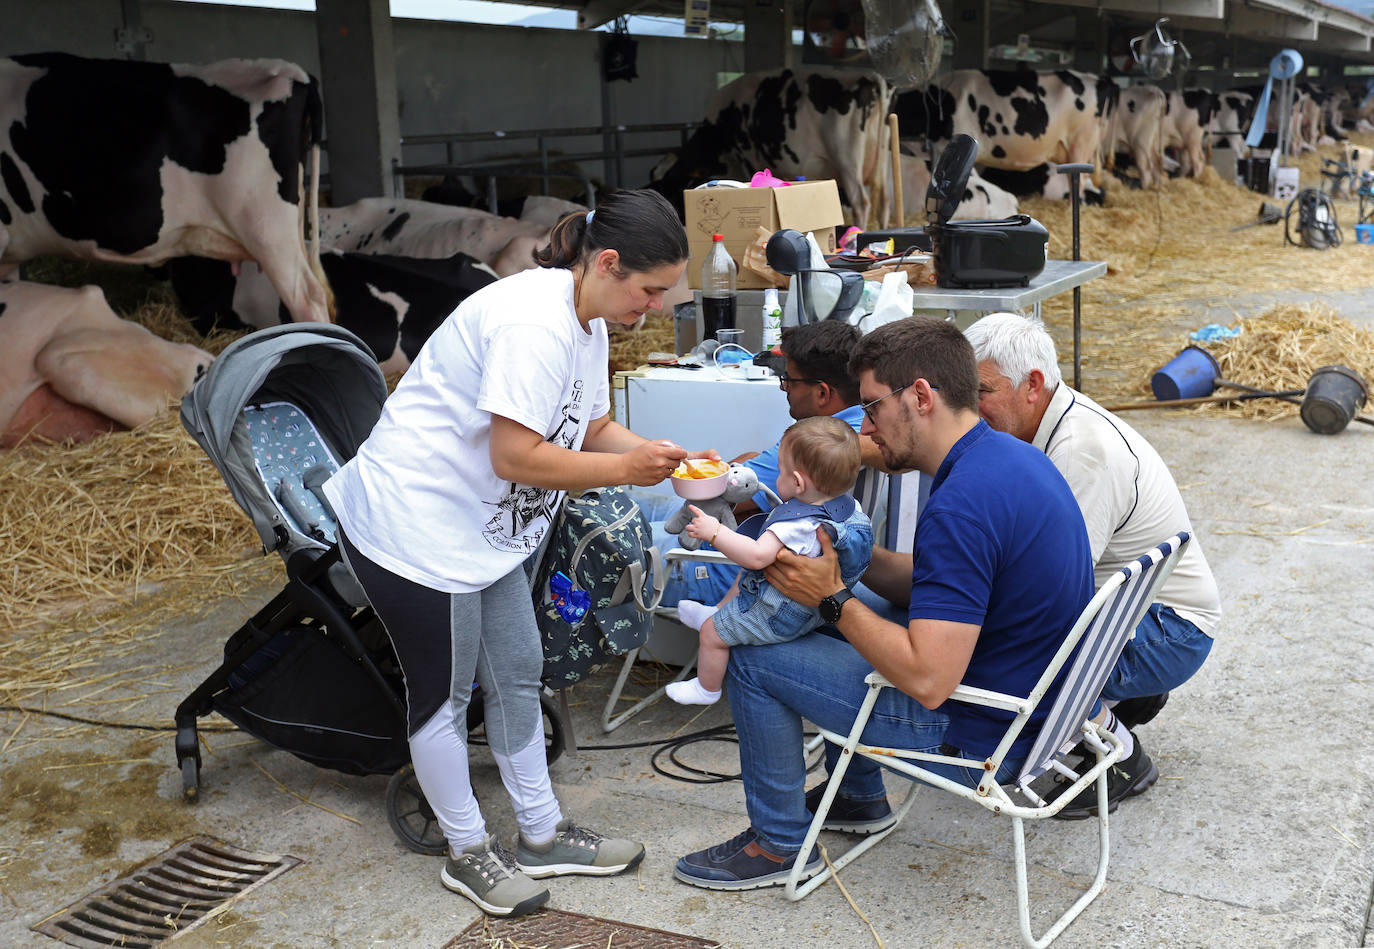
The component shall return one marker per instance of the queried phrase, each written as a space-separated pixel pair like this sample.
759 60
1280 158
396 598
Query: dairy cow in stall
137 162
1021 119
392 303
807 122
71 369
1137 130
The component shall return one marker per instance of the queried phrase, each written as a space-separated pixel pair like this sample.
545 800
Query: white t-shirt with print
421 498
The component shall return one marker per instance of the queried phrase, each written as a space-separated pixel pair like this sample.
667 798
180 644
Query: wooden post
896 170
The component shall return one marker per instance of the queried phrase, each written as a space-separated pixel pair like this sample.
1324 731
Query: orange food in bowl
695 469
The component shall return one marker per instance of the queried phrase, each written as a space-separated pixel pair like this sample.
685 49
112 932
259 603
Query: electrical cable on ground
665 746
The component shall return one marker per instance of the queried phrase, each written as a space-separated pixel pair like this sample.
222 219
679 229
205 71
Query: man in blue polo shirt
1002 569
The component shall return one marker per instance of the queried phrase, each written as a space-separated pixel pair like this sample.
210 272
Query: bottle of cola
717 289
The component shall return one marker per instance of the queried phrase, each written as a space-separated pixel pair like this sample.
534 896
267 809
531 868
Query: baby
818 461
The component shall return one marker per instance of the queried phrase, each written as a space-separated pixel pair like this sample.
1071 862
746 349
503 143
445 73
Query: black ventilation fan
1157 53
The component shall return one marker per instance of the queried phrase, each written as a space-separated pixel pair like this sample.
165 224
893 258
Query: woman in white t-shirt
505 409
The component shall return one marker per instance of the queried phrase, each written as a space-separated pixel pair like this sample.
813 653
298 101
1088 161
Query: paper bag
756 258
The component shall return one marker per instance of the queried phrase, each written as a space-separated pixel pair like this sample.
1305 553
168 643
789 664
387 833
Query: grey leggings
444 642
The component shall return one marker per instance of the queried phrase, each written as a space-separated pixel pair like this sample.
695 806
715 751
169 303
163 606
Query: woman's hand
807 580
650 462
702 526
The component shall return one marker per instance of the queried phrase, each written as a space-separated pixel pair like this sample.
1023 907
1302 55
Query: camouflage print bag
602 546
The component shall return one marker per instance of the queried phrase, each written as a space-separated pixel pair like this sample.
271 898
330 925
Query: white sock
690 692
1113 725
693 614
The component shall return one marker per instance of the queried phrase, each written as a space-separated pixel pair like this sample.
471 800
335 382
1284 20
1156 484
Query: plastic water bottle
772 319
718 289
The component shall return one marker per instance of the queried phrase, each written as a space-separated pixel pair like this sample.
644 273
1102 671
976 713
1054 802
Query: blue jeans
822 678
704 582
1164 654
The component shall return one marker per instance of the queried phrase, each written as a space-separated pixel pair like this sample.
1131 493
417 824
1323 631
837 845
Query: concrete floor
1257 833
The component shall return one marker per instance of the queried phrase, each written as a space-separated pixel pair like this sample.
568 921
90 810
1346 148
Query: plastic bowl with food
698 479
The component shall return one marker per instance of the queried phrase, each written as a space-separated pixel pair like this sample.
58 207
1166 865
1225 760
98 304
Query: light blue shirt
765 465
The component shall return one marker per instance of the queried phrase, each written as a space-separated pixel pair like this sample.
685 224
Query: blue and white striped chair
1102 628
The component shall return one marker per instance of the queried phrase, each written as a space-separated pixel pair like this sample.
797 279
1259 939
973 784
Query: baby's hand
702 525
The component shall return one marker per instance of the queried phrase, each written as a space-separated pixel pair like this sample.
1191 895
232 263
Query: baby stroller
312 672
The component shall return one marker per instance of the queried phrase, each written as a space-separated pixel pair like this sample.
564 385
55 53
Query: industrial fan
905 40
1157 53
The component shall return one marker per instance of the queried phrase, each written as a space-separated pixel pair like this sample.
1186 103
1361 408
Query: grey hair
1017 344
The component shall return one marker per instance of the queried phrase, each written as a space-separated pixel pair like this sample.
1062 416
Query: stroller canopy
322 369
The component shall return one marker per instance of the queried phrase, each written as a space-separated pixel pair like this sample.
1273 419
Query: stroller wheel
410 815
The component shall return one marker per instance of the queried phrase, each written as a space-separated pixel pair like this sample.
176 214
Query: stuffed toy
741 484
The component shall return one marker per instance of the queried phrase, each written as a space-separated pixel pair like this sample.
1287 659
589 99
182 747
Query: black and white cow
392 303
1140 117
1021 119
982 199
807 122
1188 115
138 162
1231 121
423 229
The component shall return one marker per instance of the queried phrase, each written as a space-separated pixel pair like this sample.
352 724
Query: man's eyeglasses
787 381
872 412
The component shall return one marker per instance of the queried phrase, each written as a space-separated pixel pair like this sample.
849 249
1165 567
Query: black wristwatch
832 605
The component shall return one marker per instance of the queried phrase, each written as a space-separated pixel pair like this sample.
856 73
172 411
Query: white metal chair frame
1105 624
610 721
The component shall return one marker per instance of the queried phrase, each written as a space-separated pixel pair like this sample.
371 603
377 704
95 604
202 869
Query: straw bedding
135 519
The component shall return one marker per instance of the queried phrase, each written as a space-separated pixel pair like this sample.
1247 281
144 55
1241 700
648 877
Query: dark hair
827 450
921 347
640 225
822 351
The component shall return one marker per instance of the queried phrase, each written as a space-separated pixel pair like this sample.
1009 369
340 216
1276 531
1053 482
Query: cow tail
314 135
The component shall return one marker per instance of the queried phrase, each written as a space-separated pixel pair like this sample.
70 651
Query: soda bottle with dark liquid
717 289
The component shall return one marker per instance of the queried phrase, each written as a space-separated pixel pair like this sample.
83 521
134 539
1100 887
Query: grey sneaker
577 850
485 873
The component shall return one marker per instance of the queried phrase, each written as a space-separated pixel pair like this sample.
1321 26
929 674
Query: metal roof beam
1331 38
1208 9
1270 24
1322 13
1253 24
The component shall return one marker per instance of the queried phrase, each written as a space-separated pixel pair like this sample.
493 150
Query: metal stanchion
1073 171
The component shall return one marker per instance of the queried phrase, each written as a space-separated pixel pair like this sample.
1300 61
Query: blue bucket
1191 374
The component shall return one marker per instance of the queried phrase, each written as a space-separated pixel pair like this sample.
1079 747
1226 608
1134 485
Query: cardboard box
737 213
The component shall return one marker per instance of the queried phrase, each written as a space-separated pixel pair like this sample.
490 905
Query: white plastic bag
895 302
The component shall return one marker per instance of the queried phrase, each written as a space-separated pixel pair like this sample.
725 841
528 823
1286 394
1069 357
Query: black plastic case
974 254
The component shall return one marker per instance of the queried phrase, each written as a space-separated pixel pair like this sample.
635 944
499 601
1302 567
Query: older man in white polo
1129 503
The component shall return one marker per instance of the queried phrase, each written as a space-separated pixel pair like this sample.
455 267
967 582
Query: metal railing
540 164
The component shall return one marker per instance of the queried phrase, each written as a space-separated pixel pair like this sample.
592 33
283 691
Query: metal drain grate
554 928
176 891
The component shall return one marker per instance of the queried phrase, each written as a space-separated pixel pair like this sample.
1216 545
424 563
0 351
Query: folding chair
1102 628
871 490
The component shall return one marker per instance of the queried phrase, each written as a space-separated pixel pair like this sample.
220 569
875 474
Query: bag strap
631 583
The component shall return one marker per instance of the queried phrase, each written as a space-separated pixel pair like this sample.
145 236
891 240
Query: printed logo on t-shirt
525 512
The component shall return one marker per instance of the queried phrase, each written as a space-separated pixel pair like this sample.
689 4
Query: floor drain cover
175 891
555 929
